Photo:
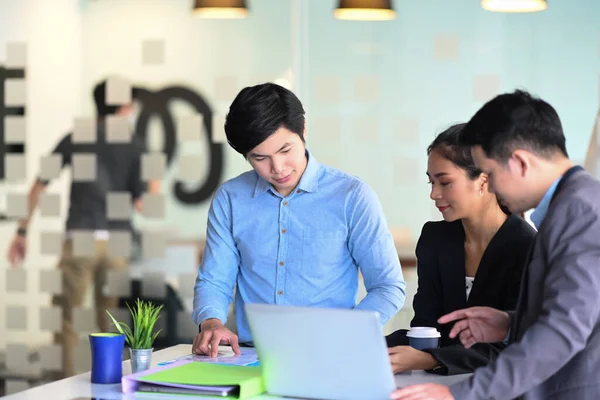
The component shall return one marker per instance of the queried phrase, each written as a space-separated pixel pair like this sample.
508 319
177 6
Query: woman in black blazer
475 257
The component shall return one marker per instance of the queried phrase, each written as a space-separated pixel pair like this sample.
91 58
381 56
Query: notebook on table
198 378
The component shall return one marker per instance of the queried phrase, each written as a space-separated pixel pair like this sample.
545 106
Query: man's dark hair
103 109
450 145
258 111
516 120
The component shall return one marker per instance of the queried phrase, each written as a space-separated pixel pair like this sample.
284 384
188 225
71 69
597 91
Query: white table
79 387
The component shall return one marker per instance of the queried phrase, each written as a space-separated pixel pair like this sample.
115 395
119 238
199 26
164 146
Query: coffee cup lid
423 332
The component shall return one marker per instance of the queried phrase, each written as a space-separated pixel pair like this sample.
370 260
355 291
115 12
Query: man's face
280 160
505 180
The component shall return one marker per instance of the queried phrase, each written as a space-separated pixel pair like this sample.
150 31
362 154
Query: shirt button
283 231
285 203
281 263
298 191
280 292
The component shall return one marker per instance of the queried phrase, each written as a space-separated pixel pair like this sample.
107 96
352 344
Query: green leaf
144 316
115 323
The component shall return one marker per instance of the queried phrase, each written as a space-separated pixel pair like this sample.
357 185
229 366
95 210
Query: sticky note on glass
153 166
84 130
50 166
14 167
16 55
226 88
15 92
153 52
405 130
485 87
84 167
445 47
327 88
14 129
191 167
366 128
118 91
404 171
118 129
330 129
367 88
189 127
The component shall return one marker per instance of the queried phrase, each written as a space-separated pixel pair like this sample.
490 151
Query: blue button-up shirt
305 249
537 216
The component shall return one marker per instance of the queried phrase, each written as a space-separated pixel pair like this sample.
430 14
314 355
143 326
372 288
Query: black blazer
441 273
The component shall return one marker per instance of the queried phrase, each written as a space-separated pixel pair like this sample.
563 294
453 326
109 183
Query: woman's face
454 193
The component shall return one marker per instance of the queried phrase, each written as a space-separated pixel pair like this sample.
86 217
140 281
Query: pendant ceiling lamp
365 10
515 6
225 9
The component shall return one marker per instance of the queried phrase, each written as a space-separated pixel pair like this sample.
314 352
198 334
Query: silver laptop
321 353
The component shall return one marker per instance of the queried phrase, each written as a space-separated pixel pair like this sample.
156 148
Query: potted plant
141 336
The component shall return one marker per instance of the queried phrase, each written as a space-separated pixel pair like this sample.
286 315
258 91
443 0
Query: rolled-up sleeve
218 270
372 247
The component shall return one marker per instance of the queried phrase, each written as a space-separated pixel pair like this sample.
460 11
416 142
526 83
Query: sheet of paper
247 358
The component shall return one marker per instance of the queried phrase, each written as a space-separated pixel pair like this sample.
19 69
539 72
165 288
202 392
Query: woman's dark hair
450 145
258 111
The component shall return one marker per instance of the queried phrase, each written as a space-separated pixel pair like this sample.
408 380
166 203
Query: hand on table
425 391
406 358
212 333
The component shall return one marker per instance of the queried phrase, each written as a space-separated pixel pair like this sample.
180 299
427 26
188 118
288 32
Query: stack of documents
197 378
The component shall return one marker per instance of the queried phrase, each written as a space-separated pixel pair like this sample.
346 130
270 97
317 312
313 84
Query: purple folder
130 383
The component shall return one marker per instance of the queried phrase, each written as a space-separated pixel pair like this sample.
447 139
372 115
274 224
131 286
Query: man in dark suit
554 332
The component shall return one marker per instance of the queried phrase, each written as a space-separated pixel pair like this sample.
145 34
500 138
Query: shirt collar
309 182
310 178
538 215
261 186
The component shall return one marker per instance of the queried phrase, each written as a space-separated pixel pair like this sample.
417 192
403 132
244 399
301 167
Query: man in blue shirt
291 231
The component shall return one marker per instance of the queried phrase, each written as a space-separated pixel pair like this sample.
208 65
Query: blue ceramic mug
107 357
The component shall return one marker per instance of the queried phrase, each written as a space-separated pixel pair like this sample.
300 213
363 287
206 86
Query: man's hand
478 325
426 391
406 358
17 250
212 333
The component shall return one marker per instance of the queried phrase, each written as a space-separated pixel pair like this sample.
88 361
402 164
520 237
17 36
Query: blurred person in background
118 169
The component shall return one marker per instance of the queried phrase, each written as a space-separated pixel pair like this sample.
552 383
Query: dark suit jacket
441 273
555 335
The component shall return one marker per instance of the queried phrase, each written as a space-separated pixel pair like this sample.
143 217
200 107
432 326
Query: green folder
202 375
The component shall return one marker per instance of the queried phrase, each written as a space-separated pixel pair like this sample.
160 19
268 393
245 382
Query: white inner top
469 284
